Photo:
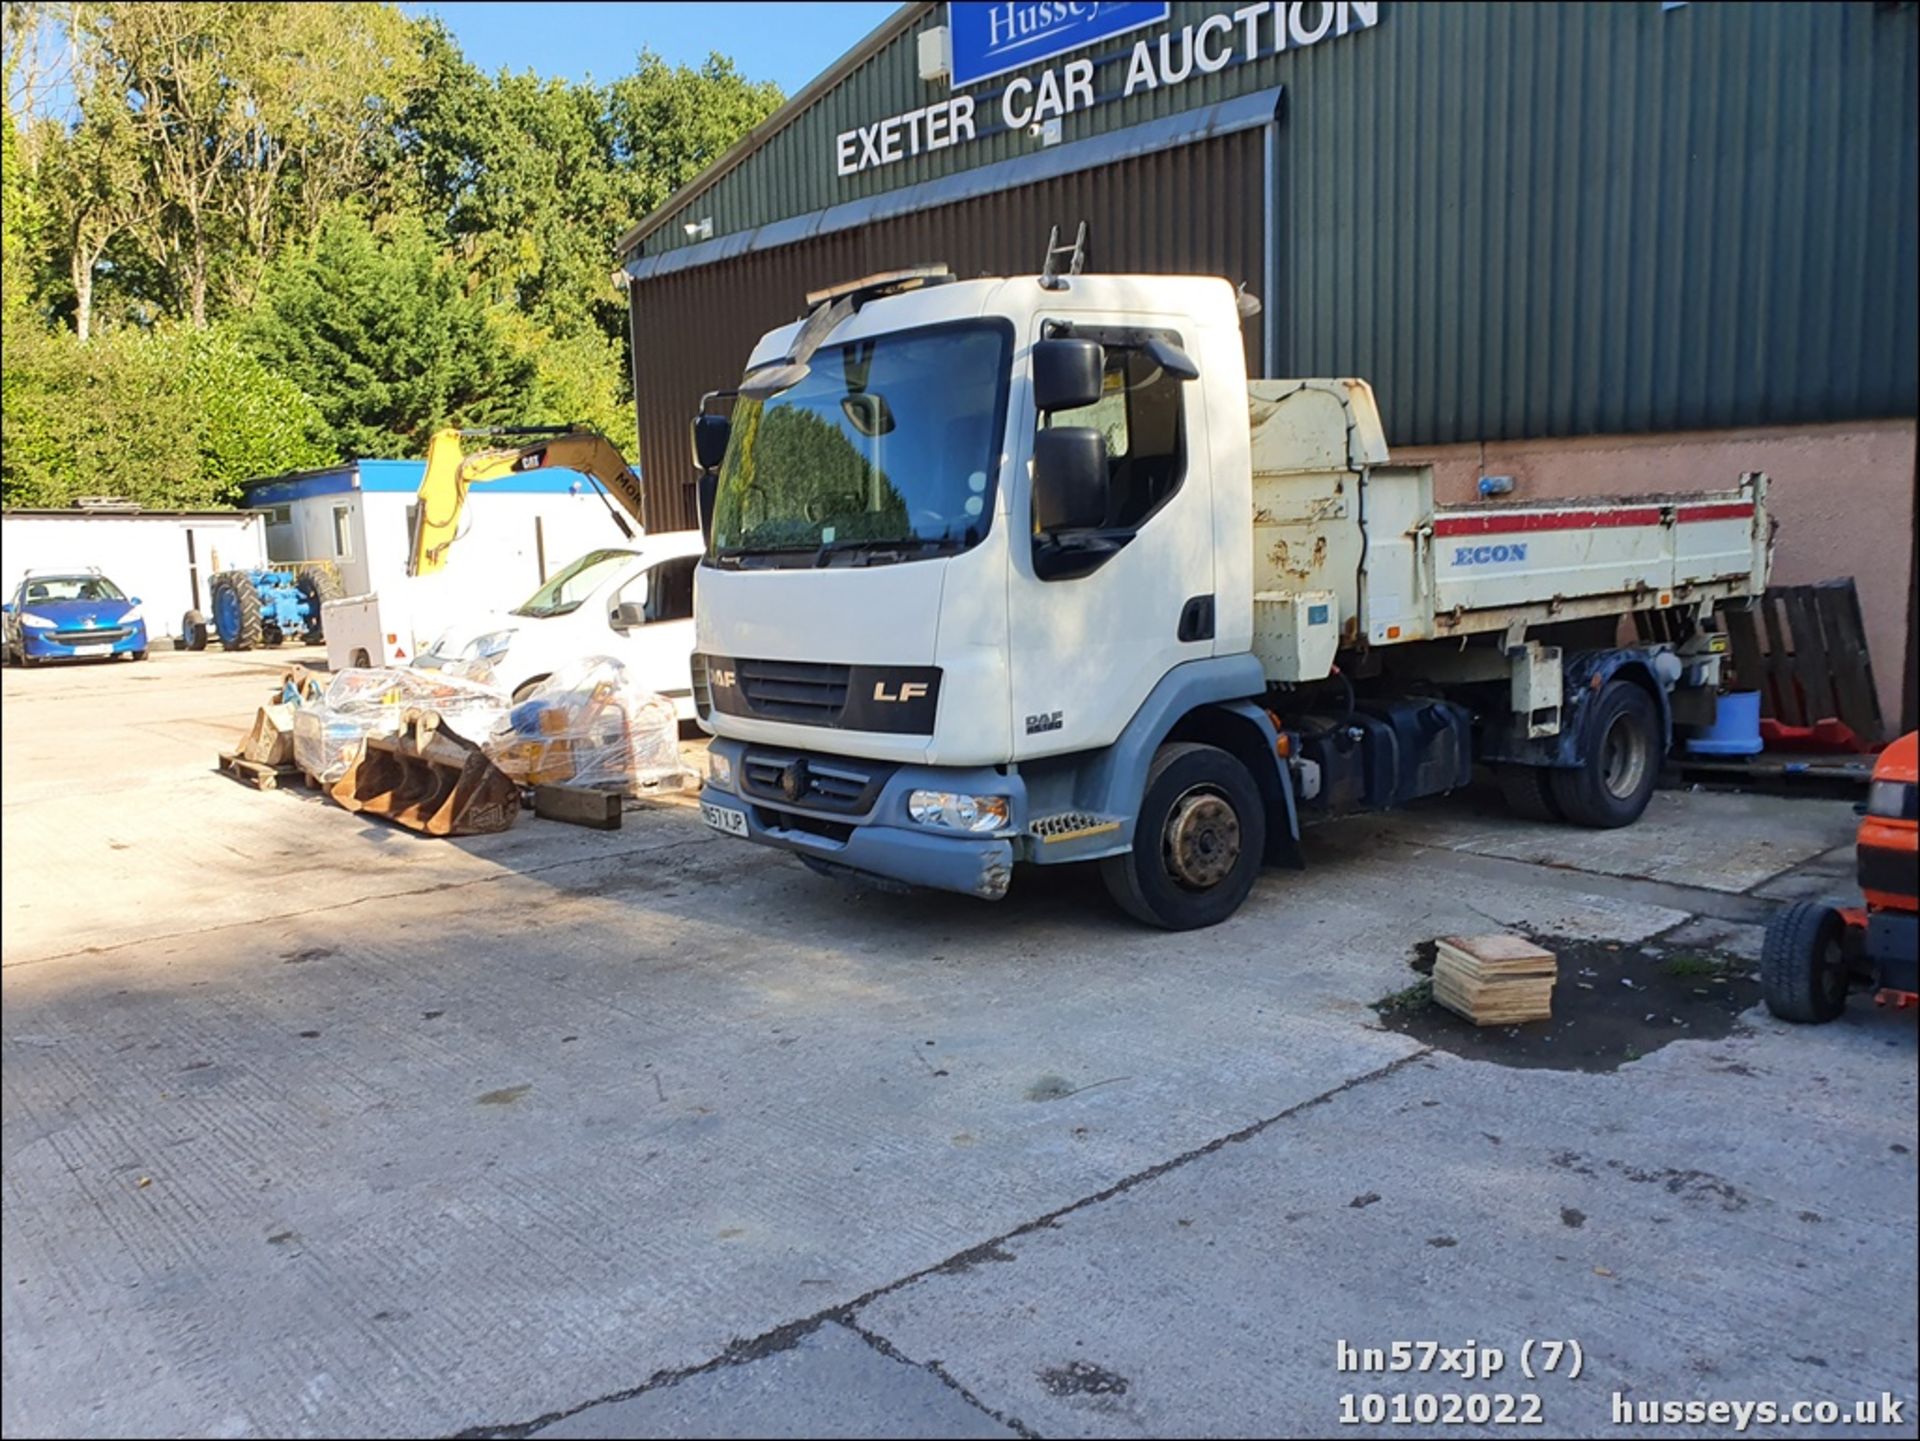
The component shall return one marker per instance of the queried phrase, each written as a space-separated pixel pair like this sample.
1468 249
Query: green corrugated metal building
1527 224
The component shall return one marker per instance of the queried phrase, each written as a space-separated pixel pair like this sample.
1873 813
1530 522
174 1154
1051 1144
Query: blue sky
786 43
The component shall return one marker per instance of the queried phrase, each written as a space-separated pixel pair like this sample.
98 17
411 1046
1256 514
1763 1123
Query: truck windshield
570 588
887 450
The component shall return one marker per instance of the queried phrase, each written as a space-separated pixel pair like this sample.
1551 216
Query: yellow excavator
451 470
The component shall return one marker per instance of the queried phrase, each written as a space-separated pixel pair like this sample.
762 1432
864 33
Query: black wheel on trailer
1197 846
1803 966
318 582
1528 793
1615 778
236 611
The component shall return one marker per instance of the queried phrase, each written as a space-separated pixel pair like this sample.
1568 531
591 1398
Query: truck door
1086 648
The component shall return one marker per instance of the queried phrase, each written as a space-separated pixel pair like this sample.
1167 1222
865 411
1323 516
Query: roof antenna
1050 268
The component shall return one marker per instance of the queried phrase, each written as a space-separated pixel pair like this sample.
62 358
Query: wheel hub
1202 840
1624 758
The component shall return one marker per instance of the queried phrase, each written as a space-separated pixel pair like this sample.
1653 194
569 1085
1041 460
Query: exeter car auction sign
990 40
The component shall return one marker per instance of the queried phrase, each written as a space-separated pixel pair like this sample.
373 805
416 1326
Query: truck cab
990 579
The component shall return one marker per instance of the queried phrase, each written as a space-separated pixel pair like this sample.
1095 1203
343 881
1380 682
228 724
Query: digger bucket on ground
429 780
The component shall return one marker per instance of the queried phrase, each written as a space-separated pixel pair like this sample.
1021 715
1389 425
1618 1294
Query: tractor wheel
1803 967
1528 793
236 611
318 582
1615 778
1197 844
193 631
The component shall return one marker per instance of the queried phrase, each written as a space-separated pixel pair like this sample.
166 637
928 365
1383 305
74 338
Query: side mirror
710 434
628 614
1067 373
1069 478
134 600
7 608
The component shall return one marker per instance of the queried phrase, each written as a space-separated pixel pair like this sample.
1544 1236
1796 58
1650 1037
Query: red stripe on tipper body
1547 520
1732 510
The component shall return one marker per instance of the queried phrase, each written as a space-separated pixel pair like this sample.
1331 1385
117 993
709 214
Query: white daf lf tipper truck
1027 570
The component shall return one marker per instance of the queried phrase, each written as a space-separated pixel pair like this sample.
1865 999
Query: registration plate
93 650
724 818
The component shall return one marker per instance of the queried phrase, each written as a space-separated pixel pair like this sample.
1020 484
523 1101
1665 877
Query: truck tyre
1528 792
1614 780
1803 969
1197 845
236 611
318 582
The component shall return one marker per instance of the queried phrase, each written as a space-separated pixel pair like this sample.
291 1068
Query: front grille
808 692
99 635
702 687
825 783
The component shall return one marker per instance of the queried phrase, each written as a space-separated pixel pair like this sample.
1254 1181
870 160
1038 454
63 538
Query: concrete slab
1716 840
1690 1256
830 1382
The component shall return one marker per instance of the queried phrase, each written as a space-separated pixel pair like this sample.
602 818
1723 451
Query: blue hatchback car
72 615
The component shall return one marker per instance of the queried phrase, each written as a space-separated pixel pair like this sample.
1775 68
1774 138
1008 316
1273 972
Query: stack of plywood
1494 980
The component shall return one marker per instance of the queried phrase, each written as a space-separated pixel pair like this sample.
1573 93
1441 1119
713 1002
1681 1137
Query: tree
378 330
245 115
90 184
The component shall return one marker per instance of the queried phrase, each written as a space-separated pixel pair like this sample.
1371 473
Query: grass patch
1415 997
1724 967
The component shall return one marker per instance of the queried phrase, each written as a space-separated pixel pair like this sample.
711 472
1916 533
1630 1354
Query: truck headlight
957 812
38 622
719 771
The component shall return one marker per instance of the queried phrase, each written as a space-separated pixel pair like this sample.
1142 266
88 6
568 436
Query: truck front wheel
1197 845
1614 780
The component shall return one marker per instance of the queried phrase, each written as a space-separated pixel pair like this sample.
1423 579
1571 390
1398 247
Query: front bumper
40 643
881 840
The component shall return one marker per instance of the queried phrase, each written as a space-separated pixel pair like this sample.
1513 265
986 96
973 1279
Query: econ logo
1490 554
991 39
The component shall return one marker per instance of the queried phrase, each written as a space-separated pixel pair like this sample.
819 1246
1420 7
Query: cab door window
1142 414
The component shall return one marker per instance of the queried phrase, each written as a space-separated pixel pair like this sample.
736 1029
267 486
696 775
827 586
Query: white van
634 603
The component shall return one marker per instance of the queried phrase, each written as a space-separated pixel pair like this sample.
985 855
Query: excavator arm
450 471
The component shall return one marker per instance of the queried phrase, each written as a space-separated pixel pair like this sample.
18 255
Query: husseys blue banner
992 38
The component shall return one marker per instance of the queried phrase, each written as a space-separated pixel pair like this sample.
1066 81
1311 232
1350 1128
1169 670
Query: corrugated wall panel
1576 219
693 329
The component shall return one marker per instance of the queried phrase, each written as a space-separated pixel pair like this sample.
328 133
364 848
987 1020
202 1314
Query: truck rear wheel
1197 845
1803 968
1614 780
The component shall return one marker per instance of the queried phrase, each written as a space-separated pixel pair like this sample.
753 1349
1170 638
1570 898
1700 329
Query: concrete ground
316 1127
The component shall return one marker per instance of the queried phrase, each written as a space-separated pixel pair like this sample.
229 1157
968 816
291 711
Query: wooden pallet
256 774
1804 648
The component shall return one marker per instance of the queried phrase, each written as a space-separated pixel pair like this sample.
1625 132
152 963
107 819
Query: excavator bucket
430 780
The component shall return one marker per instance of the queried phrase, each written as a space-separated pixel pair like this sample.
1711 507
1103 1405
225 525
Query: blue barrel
1736 727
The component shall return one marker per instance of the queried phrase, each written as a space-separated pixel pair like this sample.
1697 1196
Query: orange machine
1816 951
